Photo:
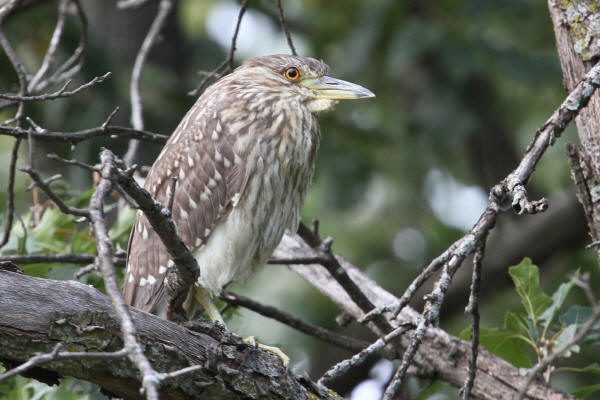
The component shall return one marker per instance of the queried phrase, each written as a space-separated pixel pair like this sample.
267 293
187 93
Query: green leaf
120 230
20 388
558 299
51 233
82 242
510 346
592 369
40 390
526 278
575 315
586 390
563 338
513 323
579 315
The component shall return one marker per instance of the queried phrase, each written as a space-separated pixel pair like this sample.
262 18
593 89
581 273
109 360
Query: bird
244 158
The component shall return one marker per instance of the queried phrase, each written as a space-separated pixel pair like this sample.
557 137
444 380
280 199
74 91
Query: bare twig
179 372
227 65
160 219
66 258
74 63
86 270
78 163
550 358
233 48
55 354
582 281
150 378
435 299
22 77
123 4
42 184
48 181
68 69
137 120
342 341
7 8
12 55
375 348
552 128
31 146
299 260
52 47
285 28
592 245
10 190
423 276
128 199
85 134
330 262
473 309
61 93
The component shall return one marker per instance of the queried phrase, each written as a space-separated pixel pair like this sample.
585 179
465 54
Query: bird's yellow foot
284 358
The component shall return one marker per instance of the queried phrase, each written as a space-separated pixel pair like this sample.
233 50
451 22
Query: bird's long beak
330 88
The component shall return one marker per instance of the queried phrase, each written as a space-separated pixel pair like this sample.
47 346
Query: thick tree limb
36 314
572 23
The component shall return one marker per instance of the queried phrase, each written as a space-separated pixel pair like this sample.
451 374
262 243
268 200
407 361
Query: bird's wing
210 175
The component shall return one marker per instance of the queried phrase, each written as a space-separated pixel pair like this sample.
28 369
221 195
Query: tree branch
45 186
85 134
440 355
69 258
186 272
285 29
137 119
342 341
227 64
61 93
150 378
36 314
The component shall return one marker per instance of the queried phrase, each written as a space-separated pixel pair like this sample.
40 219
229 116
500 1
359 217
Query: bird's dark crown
278 63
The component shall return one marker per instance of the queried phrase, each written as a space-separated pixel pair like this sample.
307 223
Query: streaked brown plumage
244 157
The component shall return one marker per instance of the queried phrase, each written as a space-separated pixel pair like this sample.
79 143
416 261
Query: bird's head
301 79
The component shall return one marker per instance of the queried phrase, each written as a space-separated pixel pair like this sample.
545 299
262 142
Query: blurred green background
461 87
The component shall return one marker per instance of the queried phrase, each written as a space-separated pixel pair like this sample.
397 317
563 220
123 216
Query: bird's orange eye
292 73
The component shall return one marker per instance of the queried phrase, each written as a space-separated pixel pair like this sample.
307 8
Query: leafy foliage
20 388
535 327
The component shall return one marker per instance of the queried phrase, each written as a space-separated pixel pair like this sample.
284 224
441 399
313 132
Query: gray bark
578 46
440 356
36 314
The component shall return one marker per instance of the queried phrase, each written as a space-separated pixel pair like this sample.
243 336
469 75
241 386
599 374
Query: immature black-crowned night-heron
244 157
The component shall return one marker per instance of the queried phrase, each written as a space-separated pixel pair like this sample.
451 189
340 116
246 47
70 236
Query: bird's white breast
282 170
